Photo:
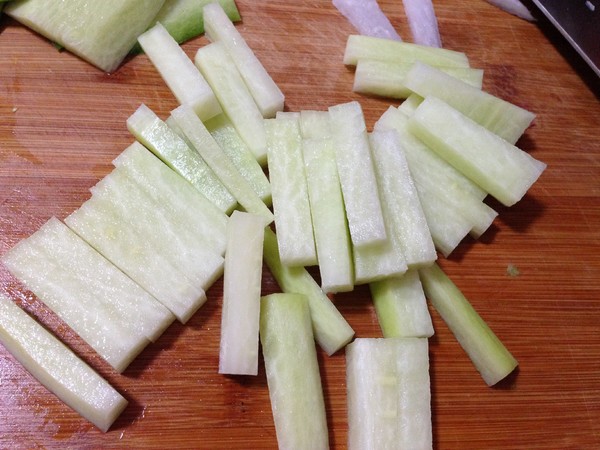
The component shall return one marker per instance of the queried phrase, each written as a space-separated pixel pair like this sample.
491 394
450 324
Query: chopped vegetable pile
190 201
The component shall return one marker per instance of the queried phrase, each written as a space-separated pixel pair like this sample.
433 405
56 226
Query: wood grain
62 122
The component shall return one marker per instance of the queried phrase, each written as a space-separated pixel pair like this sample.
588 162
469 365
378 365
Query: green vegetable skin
184 19
491 358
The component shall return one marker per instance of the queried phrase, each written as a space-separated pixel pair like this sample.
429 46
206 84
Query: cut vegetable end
490 357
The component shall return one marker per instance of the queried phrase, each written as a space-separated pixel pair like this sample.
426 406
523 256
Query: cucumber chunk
389 394
264 91
95 222
332 238
401 306
219 162
87 292
179 72
499 116
503 170
386 79
240 314
237 102
407 221
164 142
292 373
192 255
367 47
58 368
101 33
490 357
290 192
174 197
331 330
223 131
356 173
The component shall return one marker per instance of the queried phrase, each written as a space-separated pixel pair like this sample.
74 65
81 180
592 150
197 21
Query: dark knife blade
579 22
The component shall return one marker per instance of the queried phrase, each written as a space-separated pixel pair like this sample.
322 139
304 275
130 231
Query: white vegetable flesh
422 22
219 162
237 102
367 17
87 292
389 394
499 116
292 372
58 368
242 279
265 92
179 72
357 174
167 145
289 190
503 170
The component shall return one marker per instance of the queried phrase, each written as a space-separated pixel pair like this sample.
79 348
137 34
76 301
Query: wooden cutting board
62 122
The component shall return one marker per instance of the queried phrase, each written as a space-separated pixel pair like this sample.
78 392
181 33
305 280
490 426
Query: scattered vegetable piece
101 33
389 394
422 22
240 313
292 373
503 170
514 7
367 17
490 357
331 330
58 368
265 92
179 72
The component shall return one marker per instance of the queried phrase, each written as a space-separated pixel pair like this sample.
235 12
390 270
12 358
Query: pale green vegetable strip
265 92
222 75
159 138
503 170
240 314
389 394
499 116
179 72
332 237
451 202
314 124
401 306
219 162
331 330
175 197
192 255
407 220
490 357
290 192
223 131
422 157
357 175
125 248
92 314
101 33
368 47
386 79
292 372
58 368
